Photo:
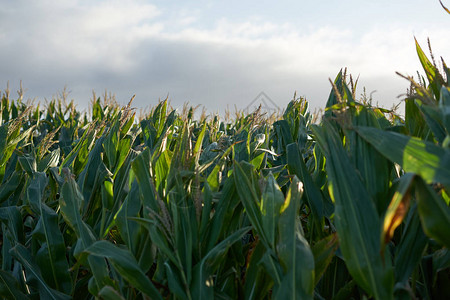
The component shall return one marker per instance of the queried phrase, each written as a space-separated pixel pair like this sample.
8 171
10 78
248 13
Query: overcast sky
214 53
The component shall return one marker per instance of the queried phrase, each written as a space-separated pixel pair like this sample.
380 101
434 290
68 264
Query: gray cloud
130 49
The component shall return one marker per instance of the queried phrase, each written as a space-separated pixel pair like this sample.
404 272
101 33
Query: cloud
136 48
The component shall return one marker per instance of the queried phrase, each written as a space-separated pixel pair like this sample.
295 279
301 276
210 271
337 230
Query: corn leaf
250 200
315 199
51 257
162 167
109 293
9 287
34 277
210 262
160 239
70 205
324 251
444 105
271 202
87 179
374 168
10 185
49 161
8 143
431 162
409 251
185 233
433 117
433 212
141 167
414 120
11 217
293 250
85 142
214 178
124 262
128 229
356 218
435 79
175 283
206 211
227 201
333 97
257 281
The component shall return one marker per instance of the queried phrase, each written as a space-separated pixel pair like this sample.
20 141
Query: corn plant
103 205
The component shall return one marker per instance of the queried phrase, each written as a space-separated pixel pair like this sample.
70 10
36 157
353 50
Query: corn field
355 206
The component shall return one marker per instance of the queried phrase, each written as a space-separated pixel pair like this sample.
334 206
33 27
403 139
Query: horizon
213 54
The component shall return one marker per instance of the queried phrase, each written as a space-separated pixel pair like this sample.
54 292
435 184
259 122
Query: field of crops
355 205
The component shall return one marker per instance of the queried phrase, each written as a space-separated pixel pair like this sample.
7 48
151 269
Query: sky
217 54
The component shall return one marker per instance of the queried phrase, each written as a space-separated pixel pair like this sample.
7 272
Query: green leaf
34 277
175 283
356 218
128 229
9 287
412 154
293 250
70 204
414 119
159 238
433 212
12 218
162 167
257 281
324 251
36 189
141 167
374 168
109 293
28 163
206 211
432 115
257 160
129 120
10 186
7 243
444 105
214 178
199 143
125 263
408 253
228 200
8 143
111 144
184 229
181 156
88 178
315 199
282 127
85 142
49 161
250 200
432 72
51 257
441 260
271 202
202 281
333 97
